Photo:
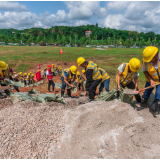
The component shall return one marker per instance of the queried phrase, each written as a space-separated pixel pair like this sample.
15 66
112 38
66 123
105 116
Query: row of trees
72 35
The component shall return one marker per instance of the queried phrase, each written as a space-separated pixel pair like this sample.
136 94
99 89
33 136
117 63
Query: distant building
87 33
13 32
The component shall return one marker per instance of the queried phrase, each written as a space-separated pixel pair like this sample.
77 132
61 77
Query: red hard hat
39 64
49 66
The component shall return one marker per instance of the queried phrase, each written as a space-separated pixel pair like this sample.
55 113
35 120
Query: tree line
76 35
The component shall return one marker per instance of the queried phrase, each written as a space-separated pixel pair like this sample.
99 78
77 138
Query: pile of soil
80 129
108 130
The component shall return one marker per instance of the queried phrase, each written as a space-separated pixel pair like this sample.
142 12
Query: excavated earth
96 129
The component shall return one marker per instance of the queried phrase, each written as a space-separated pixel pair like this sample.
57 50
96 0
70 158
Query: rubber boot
62 93
157 106
69 92
143 104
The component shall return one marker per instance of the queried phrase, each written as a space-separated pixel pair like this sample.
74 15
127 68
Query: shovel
129 91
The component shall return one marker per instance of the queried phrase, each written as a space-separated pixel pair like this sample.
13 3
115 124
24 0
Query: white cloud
118 5
113 21
138 15
12 6
85 9
81 22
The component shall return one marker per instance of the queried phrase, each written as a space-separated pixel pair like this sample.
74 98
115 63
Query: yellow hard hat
25 73
3 65
20 73
32 74
83 71
80 61
134 64
78 74
52 64
73 69
28 74
55 66
149 52
46 66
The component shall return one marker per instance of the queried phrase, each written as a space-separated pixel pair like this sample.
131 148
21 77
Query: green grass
21 57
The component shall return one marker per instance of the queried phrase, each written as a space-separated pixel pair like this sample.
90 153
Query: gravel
28 129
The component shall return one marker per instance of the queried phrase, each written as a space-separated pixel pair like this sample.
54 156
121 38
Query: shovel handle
148 87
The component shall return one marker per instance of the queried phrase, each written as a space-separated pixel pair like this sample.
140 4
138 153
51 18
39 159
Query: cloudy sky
125 15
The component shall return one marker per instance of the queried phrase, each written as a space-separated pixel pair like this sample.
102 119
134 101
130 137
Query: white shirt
120 68
47 73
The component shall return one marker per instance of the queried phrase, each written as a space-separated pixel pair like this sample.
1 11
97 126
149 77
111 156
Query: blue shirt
66 75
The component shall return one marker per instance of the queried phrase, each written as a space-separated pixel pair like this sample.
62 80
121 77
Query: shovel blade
129 91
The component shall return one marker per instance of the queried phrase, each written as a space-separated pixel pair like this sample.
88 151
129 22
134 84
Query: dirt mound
97 129
108 130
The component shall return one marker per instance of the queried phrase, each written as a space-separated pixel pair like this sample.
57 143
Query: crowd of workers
93 75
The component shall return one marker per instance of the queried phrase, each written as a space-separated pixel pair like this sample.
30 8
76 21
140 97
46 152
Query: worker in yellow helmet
151 69
66 77
25 78
32 79
105 80
127 72
44 73
79 81
59 70
5 73
28 79
17 76
93 76
52 70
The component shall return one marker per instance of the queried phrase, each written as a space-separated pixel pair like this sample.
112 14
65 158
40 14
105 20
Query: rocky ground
77 130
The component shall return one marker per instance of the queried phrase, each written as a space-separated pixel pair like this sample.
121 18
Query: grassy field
21 57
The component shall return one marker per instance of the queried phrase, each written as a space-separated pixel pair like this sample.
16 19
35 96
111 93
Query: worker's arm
152 83
74 78
89 78
118 80
65 80
136 83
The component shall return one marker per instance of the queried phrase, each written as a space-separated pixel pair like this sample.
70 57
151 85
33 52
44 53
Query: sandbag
108 96
58 85
35 96
12 83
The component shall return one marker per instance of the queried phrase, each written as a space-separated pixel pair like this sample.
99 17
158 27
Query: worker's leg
147 92
76 84
101 87
137 96
92 89
52 85
79 86
49 83
82 86
145 97
69 91
157 97
25 82
63 86
106 84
